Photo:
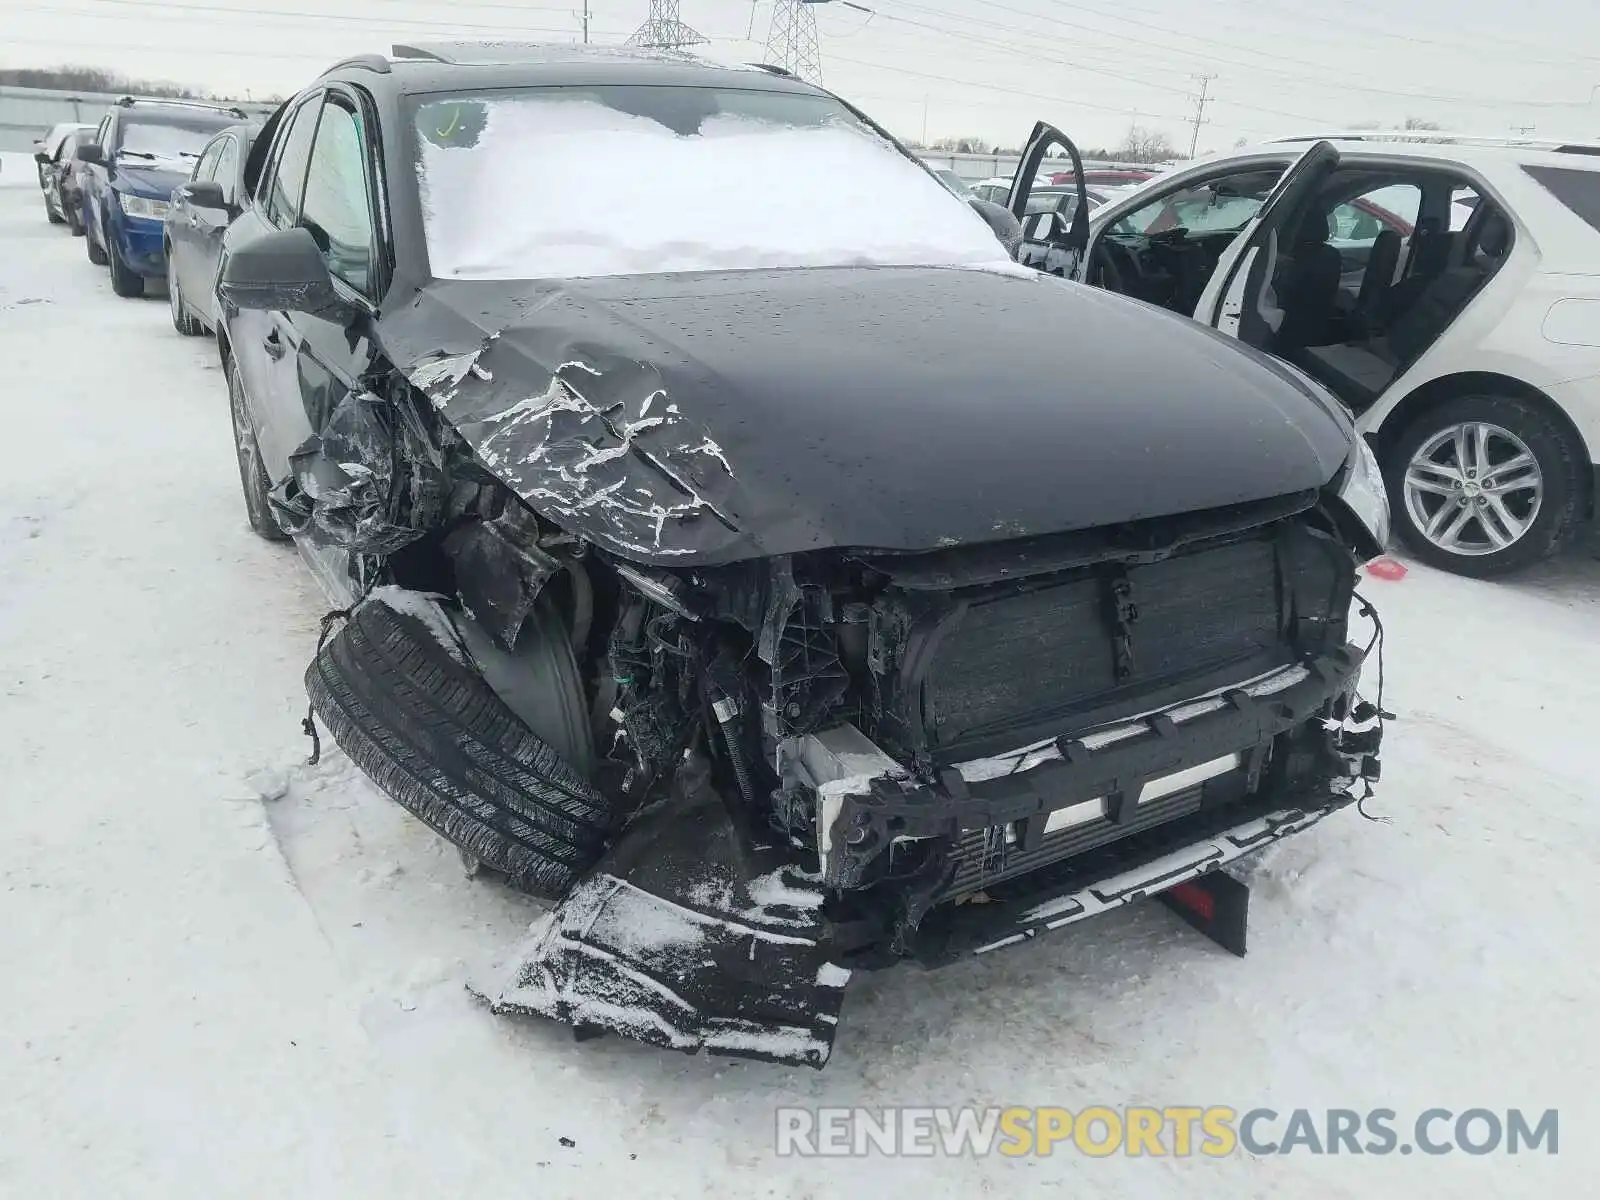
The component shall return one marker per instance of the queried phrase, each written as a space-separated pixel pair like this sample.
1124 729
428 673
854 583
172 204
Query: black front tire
182 320
52 215
1561 465
253 478
95 251
427 729
125 281
74 220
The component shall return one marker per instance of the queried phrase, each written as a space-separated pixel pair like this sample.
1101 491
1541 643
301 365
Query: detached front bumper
1123 872
697 932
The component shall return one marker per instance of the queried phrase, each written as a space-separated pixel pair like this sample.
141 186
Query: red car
1119 177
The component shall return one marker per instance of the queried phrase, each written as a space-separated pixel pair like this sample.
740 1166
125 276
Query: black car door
265 344
339 208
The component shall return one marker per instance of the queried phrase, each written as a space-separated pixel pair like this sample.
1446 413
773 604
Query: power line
211 11
1078 64
1277 57
1366 32
1184 54
991 87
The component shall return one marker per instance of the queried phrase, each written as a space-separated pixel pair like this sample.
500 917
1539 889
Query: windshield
620 180
167 138
1215 206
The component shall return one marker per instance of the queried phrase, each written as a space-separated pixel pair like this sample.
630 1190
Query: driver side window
282 186
337 208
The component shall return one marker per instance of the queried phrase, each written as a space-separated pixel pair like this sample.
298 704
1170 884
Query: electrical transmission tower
792 40
1200 103
663 30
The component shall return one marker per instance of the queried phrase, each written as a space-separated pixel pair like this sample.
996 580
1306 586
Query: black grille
983 857
1048 654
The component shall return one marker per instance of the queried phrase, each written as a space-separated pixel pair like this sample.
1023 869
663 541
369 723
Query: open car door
1051 241
1238 299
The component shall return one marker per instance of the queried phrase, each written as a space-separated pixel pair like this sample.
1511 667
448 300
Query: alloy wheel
1473 488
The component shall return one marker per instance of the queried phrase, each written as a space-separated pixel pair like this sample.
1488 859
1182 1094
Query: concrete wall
25 113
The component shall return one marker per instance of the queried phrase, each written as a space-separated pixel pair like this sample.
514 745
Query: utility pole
585 22
924 120
1200 103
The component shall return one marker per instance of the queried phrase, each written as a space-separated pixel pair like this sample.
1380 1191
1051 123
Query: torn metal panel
341 487
687 937
500 569
602 449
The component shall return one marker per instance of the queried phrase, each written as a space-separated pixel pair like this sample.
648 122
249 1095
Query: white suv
1446 288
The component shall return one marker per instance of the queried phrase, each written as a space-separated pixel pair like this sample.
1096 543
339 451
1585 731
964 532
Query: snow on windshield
576 183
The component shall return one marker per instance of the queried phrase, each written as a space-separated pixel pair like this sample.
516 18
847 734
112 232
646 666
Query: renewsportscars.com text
1178 1131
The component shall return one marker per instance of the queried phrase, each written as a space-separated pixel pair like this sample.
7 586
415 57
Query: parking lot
224 972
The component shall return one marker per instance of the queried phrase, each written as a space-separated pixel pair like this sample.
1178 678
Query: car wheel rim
1473 489
244 438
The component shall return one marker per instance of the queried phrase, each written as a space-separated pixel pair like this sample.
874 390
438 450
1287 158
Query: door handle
275 346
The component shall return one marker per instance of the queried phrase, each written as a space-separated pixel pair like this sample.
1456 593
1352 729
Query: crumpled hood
714 417
153 182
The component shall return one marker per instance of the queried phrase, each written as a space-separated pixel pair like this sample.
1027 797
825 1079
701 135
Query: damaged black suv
781 580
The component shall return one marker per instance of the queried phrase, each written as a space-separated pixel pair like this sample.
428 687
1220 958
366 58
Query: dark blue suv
140 152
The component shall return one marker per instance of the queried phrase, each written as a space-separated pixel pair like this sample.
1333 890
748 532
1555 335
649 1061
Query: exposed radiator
1051 651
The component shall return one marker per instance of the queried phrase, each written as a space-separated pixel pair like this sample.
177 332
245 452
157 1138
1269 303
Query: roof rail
402 50
1440 138
231 109
370 62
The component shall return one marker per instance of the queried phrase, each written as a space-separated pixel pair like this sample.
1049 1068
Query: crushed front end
944 753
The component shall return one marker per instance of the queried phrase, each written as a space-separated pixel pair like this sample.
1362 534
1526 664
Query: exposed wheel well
1478 383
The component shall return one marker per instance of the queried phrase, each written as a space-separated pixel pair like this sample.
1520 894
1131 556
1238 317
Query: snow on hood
562 188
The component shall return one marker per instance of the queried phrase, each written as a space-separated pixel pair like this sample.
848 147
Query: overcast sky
954 67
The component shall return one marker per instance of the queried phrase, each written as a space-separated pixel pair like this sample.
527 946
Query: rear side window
206 168
1578 190
281 202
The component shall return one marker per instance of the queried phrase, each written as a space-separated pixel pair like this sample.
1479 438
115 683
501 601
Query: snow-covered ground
225 973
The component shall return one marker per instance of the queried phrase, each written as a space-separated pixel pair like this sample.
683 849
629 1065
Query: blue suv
140 152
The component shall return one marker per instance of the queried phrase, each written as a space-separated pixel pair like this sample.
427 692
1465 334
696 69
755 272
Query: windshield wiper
136 154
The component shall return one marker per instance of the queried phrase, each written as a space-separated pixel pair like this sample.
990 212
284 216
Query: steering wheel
1103 263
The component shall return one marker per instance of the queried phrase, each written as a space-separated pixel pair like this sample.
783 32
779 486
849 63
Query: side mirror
205 193
281 271
41 156
90 152
1006 227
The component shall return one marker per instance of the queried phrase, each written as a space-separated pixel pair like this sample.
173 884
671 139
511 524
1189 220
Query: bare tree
1145 145
1420 124
962 145
93 79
